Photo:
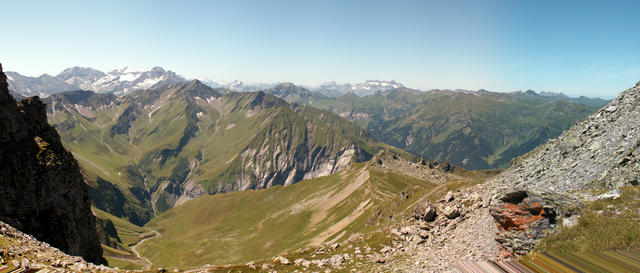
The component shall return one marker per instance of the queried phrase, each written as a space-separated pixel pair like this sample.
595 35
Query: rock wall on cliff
43 192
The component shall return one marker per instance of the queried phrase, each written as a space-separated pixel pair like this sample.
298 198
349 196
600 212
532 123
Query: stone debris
425 211
377 258
281 260
591 160
437 172
266 266
28 253
451 212
336 260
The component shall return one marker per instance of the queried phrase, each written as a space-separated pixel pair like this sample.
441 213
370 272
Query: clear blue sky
576 47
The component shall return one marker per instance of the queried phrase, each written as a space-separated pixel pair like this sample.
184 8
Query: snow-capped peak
361 89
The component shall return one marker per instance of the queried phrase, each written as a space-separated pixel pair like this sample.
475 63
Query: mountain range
394 214
472 129
119 81
125 80
182 175
146 152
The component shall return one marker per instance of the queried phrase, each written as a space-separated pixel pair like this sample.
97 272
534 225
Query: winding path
133 248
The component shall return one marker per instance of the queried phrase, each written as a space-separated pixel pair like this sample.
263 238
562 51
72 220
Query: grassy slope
603 225
239 227
130 234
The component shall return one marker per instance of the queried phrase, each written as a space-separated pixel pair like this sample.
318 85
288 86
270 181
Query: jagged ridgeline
147 152
472 129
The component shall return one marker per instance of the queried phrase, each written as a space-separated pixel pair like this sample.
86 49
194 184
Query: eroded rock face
43 192
524 217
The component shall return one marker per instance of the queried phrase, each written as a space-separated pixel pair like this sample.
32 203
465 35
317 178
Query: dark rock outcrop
524 217
43 192
107 233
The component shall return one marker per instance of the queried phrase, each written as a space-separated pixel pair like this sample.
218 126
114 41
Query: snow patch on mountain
119 81
126 80
236 85
366 88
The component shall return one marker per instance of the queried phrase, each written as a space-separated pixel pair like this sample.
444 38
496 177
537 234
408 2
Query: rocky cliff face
297 143
43 192
592 159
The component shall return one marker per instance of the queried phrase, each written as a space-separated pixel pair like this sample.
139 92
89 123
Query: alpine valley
472 129
201 176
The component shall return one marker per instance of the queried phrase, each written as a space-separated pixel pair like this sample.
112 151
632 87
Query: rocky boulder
452 211
425 211
524 217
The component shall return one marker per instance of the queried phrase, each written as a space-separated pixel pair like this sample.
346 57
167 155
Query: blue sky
575 47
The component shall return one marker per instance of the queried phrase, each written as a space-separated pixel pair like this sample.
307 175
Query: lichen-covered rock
448 197
524 217
43 192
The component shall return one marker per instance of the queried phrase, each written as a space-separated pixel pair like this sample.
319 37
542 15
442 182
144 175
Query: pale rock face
330 166
258 173
192 190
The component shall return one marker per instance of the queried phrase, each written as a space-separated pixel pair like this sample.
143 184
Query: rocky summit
43 192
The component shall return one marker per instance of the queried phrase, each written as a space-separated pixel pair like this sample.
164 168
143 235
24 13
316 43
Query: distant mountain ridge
119 81
236 85
125 80
369 87
473 129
